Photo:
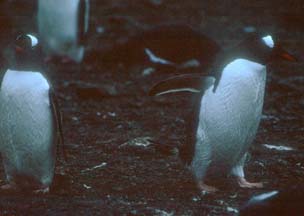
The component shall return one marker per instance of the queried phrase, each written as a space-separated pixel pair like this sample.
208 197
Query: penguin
30 122
288 201
168 47
24 53
229 109
63 27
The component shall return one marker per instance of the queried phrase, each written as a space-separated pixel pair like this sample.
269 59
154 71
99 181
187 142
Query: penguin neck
232 54
243 72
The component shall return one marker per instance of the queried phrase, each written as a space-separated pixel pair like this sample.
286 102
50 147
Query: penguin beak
282 54
19 49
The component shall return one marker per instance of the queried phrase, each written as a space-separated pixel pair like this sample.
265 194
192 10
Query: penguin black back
179 43
186 150
176 43
3 68
81 22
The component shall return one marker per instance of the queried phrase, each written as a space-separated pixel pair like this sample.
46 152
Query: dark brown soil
99 128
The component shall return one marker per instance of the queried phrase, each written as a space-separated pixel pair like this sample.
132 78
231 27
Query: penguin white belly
230 116
27 127
58 28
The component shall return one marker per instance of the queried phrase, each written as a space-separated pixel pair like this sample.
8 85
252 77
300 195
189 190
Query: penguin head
23 53
264 49
25 43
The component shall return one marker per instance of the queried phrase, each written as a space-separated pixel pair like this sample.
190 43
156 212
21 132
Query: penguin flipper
57 119
82 21
184 83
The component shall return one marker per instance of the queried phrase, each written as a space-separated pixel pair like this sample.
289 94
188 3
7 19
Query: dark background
117 110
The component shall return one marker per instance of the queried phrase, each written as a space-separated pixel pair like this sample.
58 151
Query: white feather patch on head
268 41
34 40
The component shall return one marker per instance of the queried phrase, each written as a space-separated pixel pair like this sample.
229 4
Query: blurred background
108 115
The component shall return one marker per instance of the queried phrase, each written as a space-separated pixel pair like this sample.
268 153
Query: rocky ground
106 112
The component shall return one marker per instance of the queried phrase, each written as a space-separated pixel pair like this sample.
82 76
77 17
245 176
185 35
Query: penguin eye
280 53
23 43
26 42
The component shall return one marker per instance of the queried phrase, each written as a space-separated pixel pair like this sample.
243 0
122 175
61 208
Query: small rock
283 162
119 126
270 118
74 118
232 210
260 163
249 29
139 142
87 186
233 196
112 114
100 29
148 71
196 199
134 212
160 212
278 148
221 202
103 164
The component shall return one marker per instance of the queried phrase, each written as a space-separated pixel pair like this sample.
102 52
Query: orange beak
19 49
289 57
283 54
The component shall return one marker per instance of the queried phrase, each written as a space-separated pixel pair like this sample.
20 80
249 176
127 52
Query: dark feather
189 82
177 43
196 82
186 150
3 68
57 118
81 21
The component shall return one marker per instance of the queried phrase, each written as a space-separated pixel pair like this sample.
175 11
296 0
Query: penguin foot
48 59
66 60
62 60
42 190
9 186
205 189
245 184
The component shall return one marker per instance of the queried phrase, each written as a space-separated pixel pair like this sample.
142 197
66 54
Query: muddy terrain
122 145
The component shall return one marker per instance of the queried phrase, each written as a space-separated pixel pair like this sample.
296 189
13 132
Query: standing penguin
230 108
62 26
30 122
